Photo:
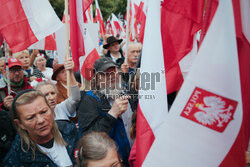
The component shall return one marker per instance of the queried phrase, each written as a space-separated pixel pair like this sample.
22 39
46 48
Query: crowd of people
41 125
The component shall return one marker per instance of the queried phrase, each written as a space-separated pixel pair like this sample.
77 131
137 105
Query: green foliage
58 6
112 6
107 7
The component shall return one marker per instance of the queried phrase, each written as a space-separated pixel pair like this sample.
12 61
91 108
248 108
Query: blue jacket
16 157
93 116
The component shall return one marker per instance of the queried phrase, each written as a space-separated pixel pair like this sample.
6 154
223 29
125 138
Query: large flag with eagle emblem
206 117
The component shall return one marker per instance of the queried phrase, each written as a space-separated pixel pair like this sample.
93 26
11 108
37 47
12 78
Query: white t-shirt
48 73
114 58
58 154
67 108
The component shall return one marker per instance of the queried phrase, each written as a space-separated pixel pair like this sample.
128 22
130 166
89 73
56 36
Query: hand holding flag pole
67 43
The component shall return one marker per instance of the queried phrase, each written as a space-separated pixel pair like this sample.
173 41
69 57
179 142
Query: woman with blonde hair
41 141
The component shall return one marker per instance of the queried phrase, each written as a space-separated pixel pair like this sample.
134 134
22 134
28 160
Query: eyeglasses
13 70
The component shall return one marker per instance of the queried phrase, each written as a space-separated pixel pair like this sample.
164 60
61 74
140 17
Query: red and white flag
117 26
178 41
152 109
24 22
81 43
206 116
99 19
48 43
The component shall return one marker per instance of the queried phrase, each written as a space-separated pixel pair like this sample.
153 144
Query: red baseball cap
13 62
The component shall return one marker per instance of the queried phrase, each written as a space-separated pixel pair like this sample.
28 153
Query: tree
58 6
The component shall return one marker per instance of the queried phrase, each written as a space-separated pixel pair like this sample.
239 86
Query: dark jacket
15 90
16 157
119 61
93 116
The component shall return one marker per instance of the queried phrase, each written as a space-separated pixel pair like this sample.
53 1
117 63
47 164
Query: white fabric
114 58
154 109
183 142
245 13
41 17
67 108
58 154
48 73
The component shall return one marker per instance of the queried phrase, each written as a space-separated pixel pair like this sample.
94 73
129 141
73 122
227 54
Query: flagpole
127 31
67 42
7 66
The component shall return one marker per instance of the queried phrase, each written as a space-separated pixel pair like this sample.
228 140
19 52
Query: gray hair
94 146
43 83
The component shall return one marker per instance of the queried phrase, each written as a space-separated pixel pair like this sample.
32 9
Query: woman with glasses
97 149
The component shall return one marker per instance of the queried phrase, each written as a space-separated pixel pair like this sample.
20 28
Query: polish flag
207 116
99 19
152 109
22 24
116 25
177 40
88 15
87 52
48 43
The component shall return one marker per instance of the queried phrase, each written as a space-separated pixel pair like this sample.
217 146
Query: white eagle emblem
214 111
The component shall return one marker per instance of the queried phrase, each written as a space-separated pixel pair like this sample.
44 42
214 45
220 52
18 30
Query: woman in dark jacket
40 141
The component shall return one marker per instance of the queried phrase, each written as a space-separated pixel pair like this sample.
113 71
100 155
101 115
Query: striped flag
24 22
206 117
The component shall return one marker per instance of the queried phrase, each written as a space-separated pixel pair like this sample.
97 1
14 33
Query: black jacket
119 61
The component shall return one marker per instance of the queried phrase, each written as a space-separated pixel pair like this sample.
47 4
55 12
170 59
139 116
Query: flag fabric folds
151 112
206 117
177 40
24 22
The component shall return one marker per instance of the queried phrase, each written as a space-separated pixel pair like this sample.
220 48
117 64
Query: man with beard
17 82
104 109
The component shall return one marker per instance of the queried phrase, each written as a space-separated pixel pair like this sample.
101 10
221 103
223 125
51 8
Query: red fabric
50 43
86 4
144 137
140 18
14 26
180 20
210 10
101 23
87 67
236 155
76 39
132 155
1 39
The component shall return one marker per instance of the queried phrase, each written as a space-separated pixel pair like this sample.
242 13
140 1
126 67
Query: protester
101 109
66 108
40 63
114 50
97 149
40 141
17 83
29 71
128 68
60 75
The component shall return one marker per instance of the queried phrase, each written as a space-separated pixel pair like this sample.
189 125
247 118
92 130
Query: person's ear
19 123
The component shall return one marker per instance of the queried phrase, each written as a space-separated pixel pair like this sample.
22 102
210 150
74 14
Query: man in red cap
17 82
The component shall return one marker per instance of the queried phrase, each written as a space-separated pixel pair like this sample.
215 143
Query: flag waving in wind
24 22
99 19
206 117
